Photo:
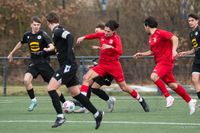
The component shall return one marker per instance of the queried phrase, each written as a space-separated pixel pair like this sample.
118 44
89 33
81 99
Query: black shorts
106 80
67 75
44 69
196 68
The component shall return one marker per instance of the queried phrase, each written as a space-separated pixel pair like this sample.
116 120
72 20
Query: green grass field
128 117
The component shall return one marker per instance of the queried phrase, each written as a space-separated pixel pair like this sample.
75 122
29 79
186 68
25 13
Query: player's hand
181 54
106 46
10 58
95 47
138 55
47 49
80 39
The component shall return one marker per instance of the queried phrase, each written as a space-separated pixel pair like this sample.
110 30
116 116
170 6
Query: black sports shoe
58 122
144 105
98 119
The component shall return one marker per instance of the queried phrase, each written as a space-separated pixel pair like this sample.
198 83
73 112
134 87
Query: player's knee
27 82
195 80
154 77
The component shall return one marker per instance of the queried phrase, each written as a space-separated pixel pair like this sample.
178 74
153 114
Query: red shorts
112 68
164 71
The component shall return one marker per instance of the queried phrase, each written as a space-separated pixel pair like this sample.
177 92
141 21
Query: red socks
84 89
181 91
162 87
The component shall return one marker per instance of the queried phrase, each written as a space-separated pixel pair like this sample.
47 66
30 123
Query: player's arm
10 56
142 54
184 53
89 37
174 40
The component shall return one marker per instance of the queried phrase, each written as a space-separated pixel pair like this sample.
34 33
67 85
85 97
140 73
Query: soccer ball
68 106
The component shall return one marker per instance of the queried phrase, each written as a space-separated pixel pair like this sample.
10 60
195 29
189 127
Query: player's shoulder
27 33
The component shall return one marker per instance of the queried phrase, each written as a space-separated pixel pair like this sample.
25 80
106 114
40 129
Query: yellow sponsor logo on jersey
35 46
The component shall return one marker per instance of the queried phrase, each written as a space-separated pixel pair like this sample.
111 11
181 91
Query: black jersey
36 43
195 40
63 41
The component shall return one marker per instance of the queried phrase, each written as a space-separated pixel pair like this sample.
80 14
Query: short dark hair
191 15
151 22
36 19
112 24
52 17
101 26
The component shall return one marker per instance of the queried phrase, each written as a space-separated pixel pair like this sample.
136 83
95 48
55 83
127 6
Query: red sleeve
166 34
94 36
118 47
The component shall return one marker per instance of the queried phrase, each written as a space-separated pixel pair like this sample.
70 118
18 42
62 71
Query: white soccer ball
68 106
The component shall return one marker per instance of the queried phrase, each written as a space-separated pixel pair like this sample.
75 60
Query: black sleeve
47 39
61 33
24 39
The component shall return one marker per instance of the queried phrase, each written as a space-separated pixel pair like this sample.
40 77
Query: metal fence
135 71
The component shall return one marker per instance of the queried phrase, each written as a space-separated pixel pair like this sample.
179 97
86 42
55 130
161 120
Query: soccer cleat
81 110
170 101
58 122
32 105
144 105
111 103
192 105
98 119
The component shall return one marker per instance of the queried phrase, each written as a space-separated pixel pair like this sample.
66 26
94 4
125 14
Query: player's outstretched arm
80 39
184 53
141 54
10 56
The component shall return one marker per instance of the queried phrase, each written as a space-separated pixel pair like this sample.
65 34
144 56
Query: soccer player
193 22
66 74
110 51
97 82
39 44
163 46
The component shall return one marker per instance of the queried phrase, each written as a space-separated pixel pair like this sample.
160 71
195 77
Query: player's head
52 18
35 24
110 27
193 20
100 28
149 23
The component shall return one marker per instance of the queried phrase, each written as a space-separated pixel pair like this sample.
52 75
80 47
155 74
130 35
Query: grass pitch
127 117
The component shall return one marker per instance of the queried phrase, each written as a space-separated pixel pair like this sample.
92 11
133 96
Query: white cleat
111 103
170 101
192 106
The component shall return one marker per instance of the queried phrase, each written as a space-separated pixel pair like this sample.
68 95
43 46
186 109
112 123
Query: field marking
105 122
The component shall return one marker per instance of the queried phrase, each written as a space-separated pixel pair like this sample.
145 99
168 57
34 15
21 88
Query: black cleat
98 119
144 105
58 122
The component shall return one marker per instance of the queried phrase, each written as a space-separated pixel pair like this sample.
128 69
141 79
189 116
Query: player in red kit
163 45
110 51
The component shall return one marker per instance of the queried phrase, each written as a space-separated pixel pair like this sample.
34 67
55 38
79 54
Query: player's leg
28 77
135 95
196 78
86 81
52 87
171 82
75 93
47 73
95 87
158 72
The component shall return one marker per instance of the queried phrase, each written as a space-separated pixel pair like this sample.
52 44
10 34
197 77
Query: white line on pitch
107 122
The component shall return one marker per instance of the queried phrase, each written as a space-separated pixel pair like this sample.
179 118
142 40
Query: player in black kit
66 74
39 44
193 21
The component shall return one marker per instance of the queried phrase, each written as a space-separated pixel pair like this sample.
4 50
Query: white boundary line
107 122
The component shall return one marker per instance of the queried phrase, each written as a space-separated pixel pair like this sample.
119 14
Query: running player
110 51
39 44
163 46
66 74
98 82
193 22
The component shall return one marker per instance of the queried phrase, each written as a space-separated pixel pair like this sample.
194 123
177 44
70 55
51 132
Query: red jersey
161 46
108 54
